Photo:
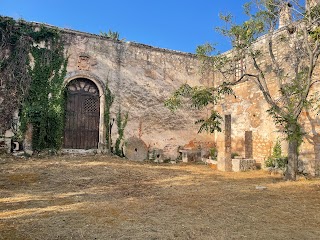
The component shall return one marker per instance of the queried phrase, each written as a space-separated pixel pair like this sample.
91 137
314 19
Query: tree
294 73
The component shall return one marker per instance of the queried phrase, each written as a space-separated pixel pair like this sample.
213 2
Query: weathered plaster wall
141 78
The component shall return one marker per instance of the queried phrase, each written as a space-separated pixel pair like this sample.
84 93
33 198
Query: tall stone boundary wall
249 114
141 78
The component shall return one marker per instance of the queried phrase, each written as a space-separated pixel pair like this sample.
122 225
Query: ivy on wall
44 105
107 119
38 85
15 44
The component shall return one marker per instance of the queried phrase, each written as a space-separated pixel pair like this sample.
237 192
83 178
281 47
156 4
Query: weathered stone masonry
141 77
249 114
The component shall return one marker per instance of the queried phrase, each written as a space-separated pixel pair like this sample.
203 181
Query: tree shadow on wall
313 138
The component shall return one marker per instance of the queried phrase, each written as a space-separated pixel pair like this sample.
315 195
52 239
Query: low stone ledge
242 164
5 143
191 155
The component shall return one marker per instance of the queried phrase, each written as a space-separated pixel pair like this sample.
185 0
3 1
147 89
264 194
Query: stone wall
141 78
249 113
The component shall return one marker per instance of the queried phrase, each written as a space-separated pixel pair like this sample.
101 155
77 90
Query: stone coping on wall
133 43
136 44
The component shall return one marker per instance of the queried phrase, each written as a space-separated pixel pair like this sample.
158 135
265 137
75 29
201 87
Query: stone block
170 151
242 165
9 134
191 155
156 155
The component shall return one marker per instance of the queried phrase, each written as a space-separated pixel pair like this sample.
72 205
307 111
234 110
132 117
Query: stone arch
101 88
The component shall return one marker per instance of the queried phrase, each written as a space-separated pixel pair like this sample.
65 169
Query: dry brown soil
99 197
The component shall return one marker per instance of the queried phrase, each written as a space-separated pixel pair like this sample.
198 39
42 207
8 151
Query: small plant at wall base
121 124
276 160
234 154
213 153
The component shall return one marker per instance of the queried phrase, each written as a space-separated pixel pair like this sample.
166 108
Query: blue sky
173 24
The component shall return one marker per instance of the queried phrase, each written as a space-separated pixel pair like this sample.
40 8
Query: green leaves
315 33
174 101
210 59
277 151
245 34
44 105
205 49
288 124
112 35
109 98
200 97
211 124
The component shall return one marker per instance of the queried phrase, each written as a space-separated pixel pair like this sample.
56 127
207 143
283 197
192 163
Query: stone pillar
248 151
8 136
285 17
228 161
27 143
224 161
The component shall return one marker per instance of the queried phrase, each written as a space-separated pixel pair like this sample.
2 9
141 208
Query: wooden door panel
82 115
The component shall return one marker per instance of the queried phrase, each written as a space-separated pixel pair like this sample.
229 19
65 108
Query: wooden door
82 115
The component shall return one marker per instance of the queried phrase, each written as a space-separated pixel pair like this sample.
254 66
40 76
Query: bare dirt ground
100 197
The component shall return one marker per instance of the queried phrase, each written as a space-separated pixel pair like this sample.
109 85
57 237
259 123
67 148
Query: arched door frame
101 87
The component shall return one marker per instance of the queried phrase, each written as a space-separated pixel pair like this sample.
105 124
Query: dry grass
96 197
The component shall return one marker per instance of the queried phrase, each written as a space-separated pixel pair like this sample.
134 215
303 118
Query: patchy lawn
99 197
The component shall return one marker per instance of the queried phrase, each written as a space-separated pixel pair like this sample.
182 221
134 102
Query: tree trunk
292 167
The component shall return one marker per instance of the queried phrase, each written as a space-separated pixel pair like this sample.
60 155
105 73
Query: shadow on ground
99 197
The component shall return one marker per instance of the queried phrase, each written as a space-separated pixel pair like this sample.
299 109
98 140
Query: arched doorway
82 115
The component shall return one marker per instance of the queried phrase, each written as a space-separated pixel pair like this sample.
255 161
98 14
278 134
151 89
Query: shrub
234 154
276 160
213 153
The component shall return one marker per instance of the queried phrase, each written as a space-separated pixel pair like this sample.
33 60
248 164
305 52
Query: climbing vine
15 45
121 124
44 105
107 119
36 81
